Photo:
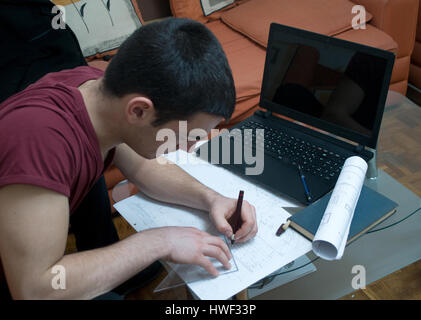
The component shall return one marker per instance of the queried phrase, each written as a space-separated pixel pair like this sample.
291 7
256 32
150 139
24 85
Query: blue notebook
372 208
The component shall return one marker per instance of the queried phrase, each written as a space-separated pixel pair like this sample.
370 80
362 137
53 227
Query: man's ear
139 109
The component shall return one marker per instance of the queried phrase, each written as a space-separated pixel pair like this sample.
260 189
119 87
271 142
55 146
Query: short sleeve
34 150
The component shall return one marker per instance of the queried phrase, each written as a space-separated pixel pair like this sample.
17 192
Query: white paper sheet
255 259
331 236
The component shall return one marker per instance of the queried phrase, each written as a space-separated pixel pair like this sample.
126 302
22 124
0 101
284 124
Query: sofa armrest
398 18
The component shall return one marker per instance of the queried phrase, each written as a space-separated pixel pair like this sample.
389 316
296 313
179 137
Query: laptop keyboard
313 159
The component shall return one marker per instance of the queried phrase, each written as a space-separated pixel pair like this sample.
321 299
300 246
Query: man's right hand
193 246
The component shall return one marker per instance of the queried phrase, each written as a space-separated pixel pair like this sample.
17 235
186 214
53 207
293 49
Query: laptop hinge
267 114
359 149
263 114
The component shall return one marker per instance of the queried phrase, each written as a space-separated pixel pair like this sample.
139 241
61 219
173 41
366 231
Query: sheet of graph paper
255 259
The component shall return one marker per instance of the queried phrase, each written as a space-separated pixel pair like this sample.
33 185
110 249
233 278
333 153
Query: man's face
176 134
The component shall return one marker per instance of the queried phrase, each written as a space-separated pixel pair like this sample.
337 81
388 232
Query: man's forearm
170 183
94 272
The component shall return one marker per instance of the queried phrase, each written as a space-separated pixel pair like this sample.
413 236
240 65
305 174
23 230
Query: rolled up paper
331 236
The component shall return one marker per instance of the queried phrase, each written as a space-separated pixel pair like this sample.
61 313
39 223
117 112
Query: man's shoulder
55 83
74 76
69 77
32 111
52 101
36 122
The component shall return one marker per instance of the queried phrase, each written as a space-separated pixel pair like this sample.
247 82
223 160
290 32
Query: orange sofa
397 18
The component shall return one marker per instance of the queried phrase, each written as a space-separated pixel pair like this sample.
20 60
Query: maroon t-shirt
47 138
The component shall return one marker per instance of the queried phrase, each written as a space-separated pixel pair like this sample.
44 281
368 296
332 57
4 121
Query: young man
59 135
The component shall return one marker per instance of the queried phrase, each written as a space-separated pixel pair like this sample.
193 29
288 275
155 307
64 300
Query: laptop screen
334 85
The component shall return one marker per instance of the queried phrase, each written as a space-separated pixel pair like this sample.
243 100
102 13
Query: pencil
235 220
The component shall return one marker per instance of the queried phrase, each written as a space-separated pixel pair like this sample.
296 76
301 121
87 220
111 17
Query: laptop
322 101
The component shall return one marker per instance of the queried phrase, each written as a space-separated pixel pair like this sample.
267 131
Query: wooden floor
399 156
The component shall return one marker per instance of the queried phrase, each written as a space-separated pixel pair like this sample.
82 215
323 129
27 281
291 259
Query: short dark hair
177 63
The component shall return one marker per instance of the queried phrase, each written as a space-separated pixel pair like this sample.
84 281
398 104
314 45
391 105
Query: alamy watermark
245 146
59 20
59 280
359 20
359 280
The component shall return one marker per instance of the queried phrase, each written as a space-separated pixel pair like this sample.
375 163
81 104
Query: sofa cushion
254 17
101 26
371 36
245 58
200 10
416 55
